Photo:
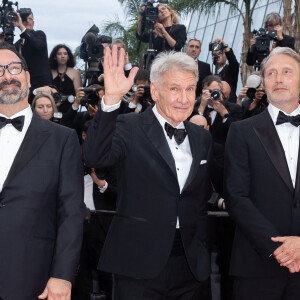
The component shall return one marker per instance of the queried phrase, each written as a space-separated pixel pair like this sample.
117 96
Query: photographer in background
252 96
272 22
33 47
142 97
168 33
221 53
218 113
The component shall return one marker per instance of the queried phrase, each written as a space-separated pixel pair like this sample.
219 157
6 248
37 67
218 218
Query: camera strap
164 40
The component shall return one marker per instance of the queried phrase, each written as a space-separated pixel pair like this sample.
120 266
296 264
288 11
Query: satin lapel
156 135
195 145
268 136
33 140
297 185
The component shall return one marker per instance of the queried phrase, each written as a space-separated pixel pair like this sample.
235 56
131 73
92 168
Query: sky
66 21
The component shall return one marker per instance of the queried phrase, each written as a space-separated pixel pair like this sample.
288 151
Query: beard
13 95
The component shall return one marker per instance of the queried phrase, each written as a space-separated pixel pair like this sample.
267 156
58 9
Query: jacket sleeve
70 211
36 39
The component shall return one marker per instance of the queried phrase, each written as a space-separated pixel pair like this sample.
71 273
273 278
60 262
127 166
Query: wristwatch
226 116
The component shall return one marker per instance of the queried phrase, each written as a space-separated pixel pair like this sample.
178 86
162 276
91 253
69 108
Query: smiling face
282 81
13 88
175 95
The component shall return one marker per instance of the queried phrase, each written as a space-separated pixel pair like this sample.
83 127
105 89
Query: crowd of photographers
59 94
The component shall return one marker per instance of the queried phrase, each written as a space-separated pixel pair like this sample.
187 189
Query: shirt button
177 169
176 148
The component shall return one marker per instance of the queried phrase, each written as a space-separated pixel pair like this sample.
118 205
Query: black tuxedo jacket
203 70
287 41
141 235
34 50
41 211
259 196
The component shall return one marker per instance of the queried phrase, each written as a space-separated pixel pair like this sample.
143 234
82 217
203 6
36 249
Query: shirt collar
274 111
162 120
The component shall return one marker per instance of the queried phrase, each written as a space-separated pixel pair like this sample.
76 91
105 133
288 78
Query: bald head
199 120
226 89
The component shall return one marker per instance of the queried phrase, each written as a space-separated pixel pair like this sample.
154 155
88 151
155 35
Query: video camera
262 44
8 15
91 51
150 14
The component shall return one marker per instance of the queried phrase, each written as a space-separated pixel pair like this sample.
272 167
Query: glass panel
219 30
258 20
224 10
275 6
205 42
238 39
213 15
202 21
194 21
230 30
259 3
199 34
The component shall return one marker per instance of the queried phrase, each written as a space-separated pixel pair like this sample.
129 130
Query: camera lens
11 16
215 94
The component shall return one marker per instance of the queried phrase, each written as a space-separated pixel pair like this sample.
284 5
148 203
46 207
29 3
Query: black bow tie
283 118
179 134
17 122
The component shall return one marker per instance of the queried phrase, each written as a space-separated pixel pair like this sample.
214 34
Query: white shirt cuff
128 67
103 189
109 108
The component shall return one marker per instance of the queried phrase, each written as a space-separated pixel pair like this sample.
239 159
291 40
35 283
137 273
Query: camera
57 116
215 94
61 98
91 96
262 44
91 51
150 14
8 15
216 48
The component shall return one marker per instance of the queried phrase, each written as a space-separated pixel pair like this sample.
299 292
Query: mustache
13 81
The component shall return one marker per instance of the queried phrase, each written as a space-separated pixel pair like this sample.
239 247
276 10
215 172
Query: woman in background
44 105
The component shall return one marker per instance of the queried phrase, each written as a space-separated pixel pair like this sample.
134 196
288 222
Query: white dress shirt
289 137
10 142
181 153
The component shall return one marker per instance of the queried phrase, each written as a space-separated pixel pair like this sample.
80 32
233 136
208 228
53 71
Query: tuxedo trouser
175 282
272 288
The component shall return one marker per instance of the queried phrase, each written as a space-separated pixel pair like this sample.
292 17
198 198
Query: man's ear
154 91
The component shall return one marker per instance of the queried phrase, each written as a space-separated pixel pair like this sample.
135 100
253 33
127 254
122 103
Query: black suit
203 70
34 50
259 197
41 211
141 235
287 41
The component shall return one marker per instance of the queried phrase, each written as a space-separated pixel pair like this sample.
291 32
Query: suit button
2 205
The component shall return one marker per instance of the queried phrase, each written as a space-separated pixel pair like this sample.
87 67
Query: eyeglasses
14 68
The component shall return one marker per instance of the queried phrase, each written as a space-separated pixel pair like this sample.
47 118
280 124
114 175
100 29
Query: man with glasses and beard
41 193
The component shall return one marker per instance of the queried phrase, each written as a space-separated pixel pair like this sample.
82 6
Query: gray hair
117 41
271 19
166 61
279 50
